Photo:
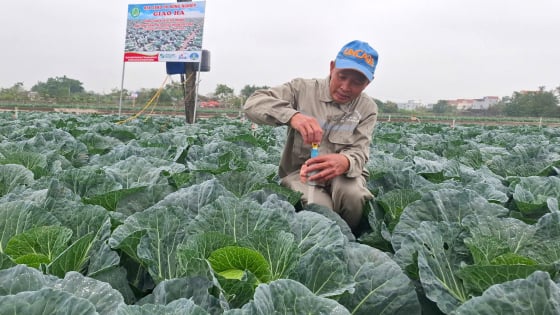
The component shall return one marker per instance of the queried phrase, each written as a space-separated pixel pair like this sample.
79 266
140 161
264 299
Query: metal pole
190 89
122 89
190 95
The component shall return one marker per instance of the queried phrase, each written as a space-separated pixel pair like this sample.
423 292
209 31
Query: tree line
65 90
541 103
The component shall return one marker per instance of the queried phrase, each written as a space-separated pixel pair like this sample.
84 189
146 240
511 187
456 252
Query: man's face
346 84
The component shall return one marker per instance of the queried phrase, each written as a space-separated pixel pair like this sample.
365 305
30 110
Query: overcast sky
429 49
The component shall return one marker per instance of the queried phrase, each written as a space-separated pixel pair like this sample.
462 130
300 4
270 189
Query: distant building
463 104
485 102
410 105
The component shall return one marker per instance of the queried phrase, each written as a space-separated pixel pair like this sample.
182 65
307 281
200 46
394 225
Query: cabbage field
154 216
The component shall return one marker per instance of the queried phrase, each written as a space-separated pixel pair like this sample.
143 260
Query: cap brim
349 64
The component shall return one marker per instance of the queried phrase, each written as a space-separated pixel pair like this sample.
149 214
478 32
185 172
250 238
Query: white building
474 104
485 103
410 105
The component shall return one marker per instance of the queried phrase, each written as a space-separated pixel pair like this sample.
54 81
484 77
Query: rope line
148 104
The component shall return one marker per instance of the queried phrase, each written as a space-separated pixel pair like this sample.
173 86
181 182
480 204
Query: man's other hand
326 166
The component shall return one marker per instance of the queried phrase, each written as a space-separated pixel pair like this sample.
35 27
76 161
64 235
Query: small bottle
314 153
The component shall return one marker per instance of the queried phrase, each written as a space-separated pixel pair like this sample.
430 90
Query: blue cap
359 56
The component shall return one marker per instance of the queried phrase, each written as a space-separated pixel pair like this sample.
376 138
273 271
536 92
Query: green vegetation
161 217
64 92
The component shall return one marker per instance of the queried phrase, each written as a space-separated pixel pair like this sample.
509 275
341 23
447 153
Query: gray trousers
346 196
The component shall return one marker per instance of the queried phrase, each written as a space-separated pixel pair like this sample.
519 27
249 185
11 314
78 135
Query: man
334 113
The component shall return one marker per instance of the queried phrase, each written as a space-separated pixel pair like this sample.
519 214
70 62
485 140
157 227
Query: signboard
163 32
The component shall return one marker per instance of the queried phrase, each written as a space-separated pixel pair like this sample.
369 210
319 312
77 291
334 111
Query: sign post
168 32
189 85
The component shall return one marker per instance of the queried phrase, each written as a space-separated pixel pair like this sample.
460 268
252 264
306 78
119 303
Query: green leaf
245 180
33 260
512 259
242 182
197 289
46 301
440 251
152 237
88 181
333 216
13 176
98 144
206 243
448 205
192 254
180 306
531 194
35 290
238 289
116 277
158 247
20 278
73 258
234 274
237 218
394 202
322 272
110 200
195 197
381 287
479 278
128 243
313 230
534 295
231 261
219 158
33 161
434 171
484 182
181 179
100 294
286 296
89 219
6 262
278 248
545 244
137 171
39 245
292 196
492 237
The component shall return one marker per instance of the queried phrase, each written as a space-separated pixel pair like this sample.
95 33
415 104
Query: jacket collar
325 93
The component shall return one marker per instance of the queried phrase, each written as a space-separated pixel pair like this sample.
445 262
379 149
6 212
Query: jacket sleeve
274 106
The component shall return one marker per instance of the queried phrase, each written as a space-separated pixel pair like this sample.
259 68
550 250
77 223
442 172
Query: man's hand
308 127
327 166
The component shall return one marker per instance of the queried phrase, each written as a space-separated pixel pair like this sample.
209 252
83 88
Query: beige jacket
348 128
